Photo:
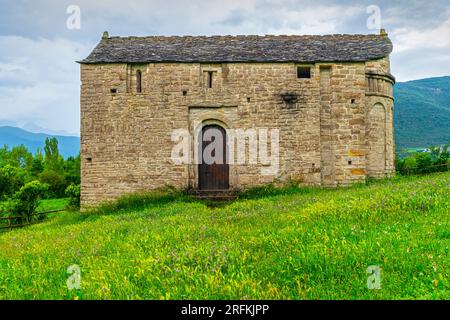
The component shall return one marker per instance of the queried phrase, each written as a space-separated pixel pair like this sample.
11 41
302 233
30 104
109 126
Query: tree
56 183
11 179
37 166
26 201
53 160
18 166
4 156
20 157
72 170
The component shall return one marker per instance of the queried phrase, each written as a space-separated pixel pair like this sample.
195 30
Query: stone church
321 106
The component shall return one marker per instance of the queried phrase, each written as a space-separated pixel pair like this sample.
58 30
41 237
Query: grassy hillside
422 113
11 136
297 244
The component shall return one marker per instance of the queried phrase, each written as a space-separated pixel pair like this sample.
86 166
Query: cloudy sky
40 40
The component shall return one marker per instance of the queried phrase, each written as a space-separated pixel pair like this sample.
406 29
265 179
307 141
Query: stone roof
216 49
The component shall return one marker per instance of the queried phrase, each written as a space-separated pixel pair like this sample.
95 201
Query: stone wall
325 134
380 119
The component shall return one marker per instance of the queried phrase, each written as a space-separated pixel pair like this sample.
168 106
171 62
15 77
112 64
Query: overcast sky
39 79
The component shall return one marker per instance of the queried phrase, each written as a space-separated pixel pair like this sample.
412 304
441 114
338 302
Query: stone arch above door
200 116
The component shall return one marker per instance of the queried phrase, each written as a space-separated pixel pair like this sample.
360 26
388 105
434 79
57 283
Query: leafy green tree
37 166
26 201
20 157
53 160
18 166
11 179
56 183
72 170
4 155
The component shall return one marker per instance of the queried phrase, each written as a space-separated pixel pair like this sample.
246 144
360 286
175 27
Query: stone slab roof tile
216 49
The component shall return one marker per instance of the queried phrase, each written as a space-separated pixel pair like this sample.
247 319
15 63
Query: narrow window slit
139 81
210 79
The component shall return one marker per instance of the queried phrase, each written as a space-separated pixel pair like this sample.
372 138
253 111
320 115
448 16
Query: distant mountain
422 113
34 128
11 136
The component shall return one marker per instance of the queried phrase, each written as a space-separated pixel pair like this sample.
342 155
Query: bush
436 160
406 166
424 163
26 201
56 182
73 193
441 157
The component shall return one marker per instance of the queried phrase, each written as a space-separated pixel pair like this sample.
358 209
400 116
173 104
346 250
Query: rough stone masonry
330 97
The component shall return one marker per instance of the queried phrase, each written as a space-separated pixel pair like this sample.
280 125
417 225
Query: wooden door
213 170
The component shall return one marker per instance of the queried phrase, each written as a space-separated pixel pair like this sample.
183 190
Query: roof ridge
247 36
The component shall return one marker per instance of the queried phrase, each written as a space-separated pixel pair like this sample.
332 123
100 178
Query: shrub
56 182
424 163
73 193
441 157
406 166
436 160
26 201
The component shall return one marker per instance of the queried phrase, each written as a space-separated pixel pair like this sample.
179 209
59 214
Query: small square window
304 72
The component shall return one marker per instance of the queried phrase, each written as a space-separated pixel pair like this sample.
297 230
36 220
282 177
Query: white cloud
421 51
313 20
39 81
411 39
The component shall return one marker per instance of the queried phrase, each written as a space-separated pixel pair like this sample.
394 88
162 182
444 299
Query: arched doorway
213 169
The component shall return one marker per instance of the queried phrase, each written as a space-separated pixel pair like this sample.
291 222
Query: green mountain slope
11 136
422 113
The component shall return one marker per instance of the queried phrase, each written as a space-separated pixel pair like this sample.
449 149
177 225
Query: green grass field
52 204
45 205
293 244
